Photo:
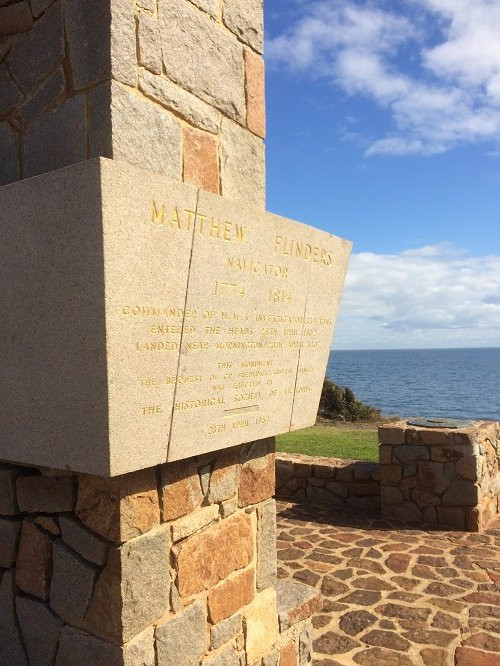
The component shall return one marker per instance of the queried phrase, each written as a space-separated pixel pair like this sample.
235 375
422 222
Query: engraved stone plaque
146 321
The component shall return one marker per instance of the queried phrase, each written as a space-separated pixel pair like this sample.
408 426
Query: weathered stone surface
434 476
245 19
209 6
266 545
88 545
39 6
224 631
201 161
451 517
296 602
391 495
25 62
194 522
78 647
424 499
40 630
230 596
470 657
140 651
242 164
120 508
9 537
469 467
388 639
403 612
181 101
181 489
181 640
34 561
224 479
133 589
331 587
9 164
288 655
148 34
215 72
407 512
50 90
392 434
150 5
11 649
207 558
42 494
461 493
57 138
87 27
261 625
377 656
157 146
390 475
427 636
354 622
10 95
332 643
72 584
410 454
434 657
255 93
15 18
123 42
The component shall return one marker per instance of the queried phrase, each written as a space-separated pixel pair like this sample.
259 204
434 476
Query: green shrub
340 404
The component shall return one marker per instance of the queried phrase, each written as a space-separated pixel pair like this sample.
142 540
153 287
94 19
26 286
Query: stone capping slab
296 602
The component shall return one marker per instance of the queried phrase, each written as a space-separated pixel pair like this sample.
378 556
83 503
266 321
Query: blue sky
384 128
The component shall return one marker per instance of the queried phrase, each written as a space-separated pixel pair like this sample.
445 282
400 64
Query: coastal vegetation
340 404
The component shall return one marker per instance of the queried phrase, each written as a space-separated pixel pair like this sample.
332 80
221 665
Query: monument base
174 564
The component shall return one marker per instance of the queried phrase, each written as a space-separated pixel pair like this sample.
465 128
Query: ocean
449 383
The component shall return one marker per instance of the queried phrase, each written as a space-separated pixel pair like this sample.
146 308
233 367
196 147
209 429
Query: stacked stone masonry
172 86
328 481
174 565
441 476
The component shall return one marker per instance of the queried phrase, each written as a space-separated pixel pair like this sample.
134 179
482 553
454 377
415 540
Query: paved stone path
394 596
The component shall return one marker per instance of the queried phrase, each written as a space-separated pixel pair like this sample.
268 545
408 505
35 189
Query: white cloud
434 296
446 92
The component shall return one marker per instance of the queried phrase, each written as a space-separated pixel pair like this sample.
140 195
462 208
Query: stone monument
159 329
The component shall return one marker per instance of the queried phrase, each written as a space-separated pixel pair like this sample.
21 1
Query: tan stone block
194 522
392 434
120 508
214 72
181 101
148 34
34 561
205 559
180 641
288 655
41 494
230 596
242 157
261 625
209 6
255 93
140 651
296 602
201 162
266 545
245 19
224 631
257 479
123 42
181 489
224 478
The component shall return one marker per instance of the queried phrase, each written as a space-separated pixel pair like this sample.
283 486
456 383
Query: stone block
148 35
257 475
90 546
180 641
260 621
231 595
205 559
224 478
392 434
407 512
15 18
288 655
8 504
209 6
390 475
123 42
9 164
451 517
51 90
227 657
391 495
461 493
72 584
34 561
40 630
42 494
296 602
10 95
57 138
215 73
424 499
132 592
255 93
266 545
433 476
469 468
87 25
11 649
194 522
140 651
200 160
168 94
149 5
410 454
39 6
225 631
78 647
242 164
181 489
25 61
245 19
385 454
121 508
9 537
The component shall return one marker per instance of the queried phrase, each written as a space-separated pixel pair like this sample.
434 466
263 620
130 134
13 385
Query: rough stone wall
328 481
169 565
440 477
172 86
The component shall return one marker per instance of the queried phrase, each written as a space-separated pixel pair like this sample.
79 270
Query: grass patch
331 442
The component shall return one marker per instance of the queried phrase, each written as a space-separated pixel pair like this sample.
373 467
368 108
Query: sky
383 127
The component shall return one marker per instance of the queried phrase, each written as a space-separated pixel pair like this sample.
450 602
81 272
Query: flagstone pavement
393 595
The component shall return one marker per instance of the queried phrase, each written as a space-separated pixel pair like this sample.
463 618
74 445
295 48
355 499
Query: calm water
454 383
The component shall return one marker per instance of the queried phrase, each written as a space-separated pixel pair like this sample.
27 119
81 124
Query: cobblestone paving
394 596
